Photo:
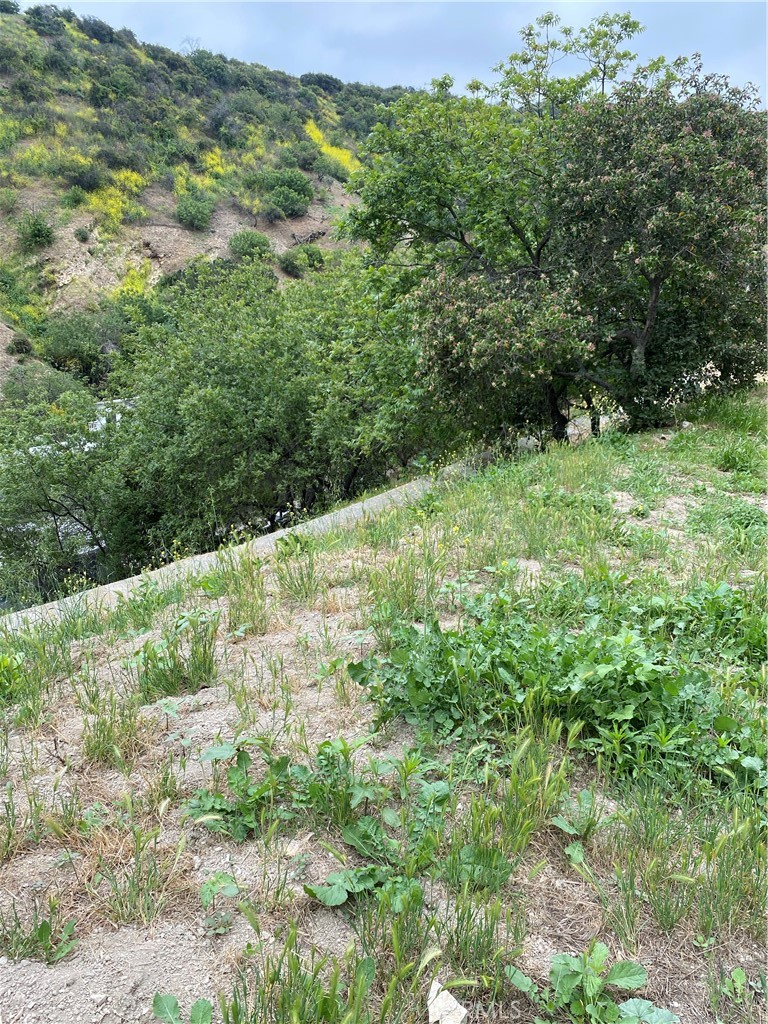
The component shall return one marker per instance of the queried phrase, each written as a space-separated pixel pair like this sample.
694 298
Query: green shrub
20 345
45 19
288 177
88 178
9 7
300 154
9 197
194 211
78 343
250 243
293 262
313 255
82 234
297 260
37 382
326 167
270 212
74 197
34 232
290 202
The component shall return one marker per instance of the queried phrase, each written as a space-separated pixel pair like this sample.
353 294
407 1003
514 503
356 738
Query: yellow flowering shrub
130 182
185 181
11 130
113 207
248 202
50 157
343 156
255 147
136 280
214 164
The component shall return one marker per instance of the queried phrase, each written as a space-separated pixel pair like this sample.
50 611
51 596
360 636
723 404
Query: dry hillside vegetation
514 721
78 273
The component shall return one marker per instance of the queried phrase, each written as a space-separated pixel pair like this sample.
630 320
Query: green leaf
724 723
598 956
575 853
358 672
564 976
391 817
565 826
520 981
222 752
626 974
328 895
368 837
642 1011
364 975
166 1009
201 1012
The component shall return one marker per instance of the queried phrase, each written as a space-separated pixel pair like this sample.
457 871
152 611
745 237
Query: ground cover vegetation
552 245
506 737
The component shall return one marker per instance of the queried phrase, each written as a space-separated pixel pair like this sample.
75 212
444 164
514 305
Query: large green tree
659 206
575 199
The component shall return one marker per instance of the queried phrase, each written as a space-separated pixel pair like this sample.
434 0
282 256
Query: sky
412 43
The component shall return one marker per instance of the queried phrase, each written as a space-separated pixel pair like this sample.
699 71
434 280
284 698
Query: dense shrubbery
34 232
297 260
195 210
160 113
250 243
242 399
35 383
558 251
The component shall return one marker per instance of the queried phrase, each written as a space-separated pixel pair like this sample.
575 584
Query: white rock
442 1007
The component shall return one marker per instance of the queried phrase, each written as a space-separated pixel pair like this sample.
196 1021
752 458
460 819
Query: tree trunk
558 420
594 416
637 366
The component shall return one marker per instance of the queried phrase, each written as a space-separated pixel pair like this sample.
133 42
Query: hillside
120 159
464 740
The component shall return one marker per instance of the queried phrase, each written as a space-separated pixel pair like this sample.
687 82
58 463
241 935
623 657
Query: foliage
194 210
166 1008
578 986
297 260
34 232
336 156
250 243
313 399
79 343
9 198
46 937
58 494
591 190
74 197
660 203
488 348
34 383
630 680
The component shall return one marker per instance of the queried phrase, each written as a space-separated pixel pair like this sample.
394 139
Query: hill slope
556 740
138 159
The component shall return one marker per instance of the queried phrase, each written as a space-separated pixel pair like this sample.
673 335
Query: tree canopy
640 201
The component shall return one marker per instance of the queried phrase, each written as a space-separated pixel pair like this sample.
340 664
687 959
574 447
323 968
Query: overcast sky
411 43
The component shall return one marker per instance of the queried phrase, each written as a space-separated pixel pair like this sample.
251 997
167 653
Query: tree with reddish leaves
631 212
660 210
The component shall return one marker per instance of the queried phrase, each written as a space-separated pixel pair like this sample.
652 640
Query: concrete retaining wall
107 595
